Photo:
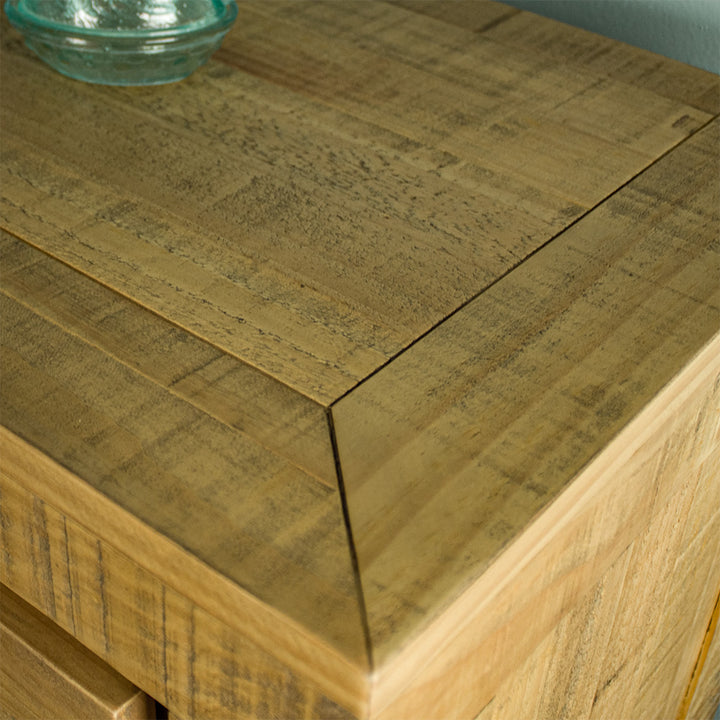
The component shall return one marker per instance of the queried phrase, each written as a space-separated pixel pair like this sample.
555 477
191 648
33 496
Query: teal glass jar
123 42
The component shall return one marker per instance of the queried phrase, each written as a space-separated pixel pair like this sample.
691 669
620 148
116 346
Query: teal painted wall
687 30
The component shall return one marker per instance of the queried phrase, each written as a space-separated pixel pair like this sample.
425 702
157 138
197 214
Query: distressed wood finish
183 655
45 673
508 399
373 371
628 647
175 441
157 567
254 206
529 381
456 94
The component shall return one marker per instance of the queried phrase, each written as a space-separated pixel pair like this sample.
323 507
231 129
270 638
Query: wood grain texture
45 673
567 45
373 359
704 696
219 385
654 490
339 673
313 217
626 649
186 254
630 65
447 90
181 654
252 515
482 423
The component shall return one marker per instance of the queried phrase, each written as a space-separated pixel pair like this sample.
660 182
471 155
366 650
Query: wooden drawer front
46 673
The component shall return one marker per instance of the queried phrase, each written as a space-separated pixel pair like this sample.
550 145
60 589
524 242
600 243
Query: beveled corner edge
471 630
292 644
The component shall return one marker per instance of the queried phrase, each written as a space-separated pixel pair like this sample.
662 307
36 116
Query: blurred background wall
687 30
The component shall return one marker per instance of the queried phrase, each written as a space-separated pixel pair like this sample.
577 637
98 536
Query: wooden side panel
45 673
628 648
289 643
179 653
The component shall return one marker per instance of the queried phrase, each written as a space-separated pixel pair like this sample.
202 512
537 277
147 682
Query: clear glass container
123 42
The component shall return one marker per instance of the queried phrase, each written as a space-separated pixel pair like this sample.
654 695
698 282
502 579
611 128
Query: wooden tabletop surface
313 336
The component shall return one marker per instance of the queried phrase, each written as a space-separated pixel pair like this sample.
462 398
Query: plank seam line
362 606
169 389
31 646
159 316
524 260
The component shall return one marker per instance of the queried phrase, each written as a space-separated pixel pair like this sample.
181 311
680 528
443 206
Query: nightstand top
339 316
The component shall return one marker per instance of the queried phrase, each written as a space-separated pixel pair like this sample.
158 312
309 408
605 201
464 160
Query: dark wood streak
42 560
100 577
192 657
164 644
70 594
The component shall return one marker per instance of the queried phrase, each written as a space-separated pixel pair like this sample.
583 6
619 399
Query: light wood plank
194 663
45 673
230 391
561 678
627 648
481 424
